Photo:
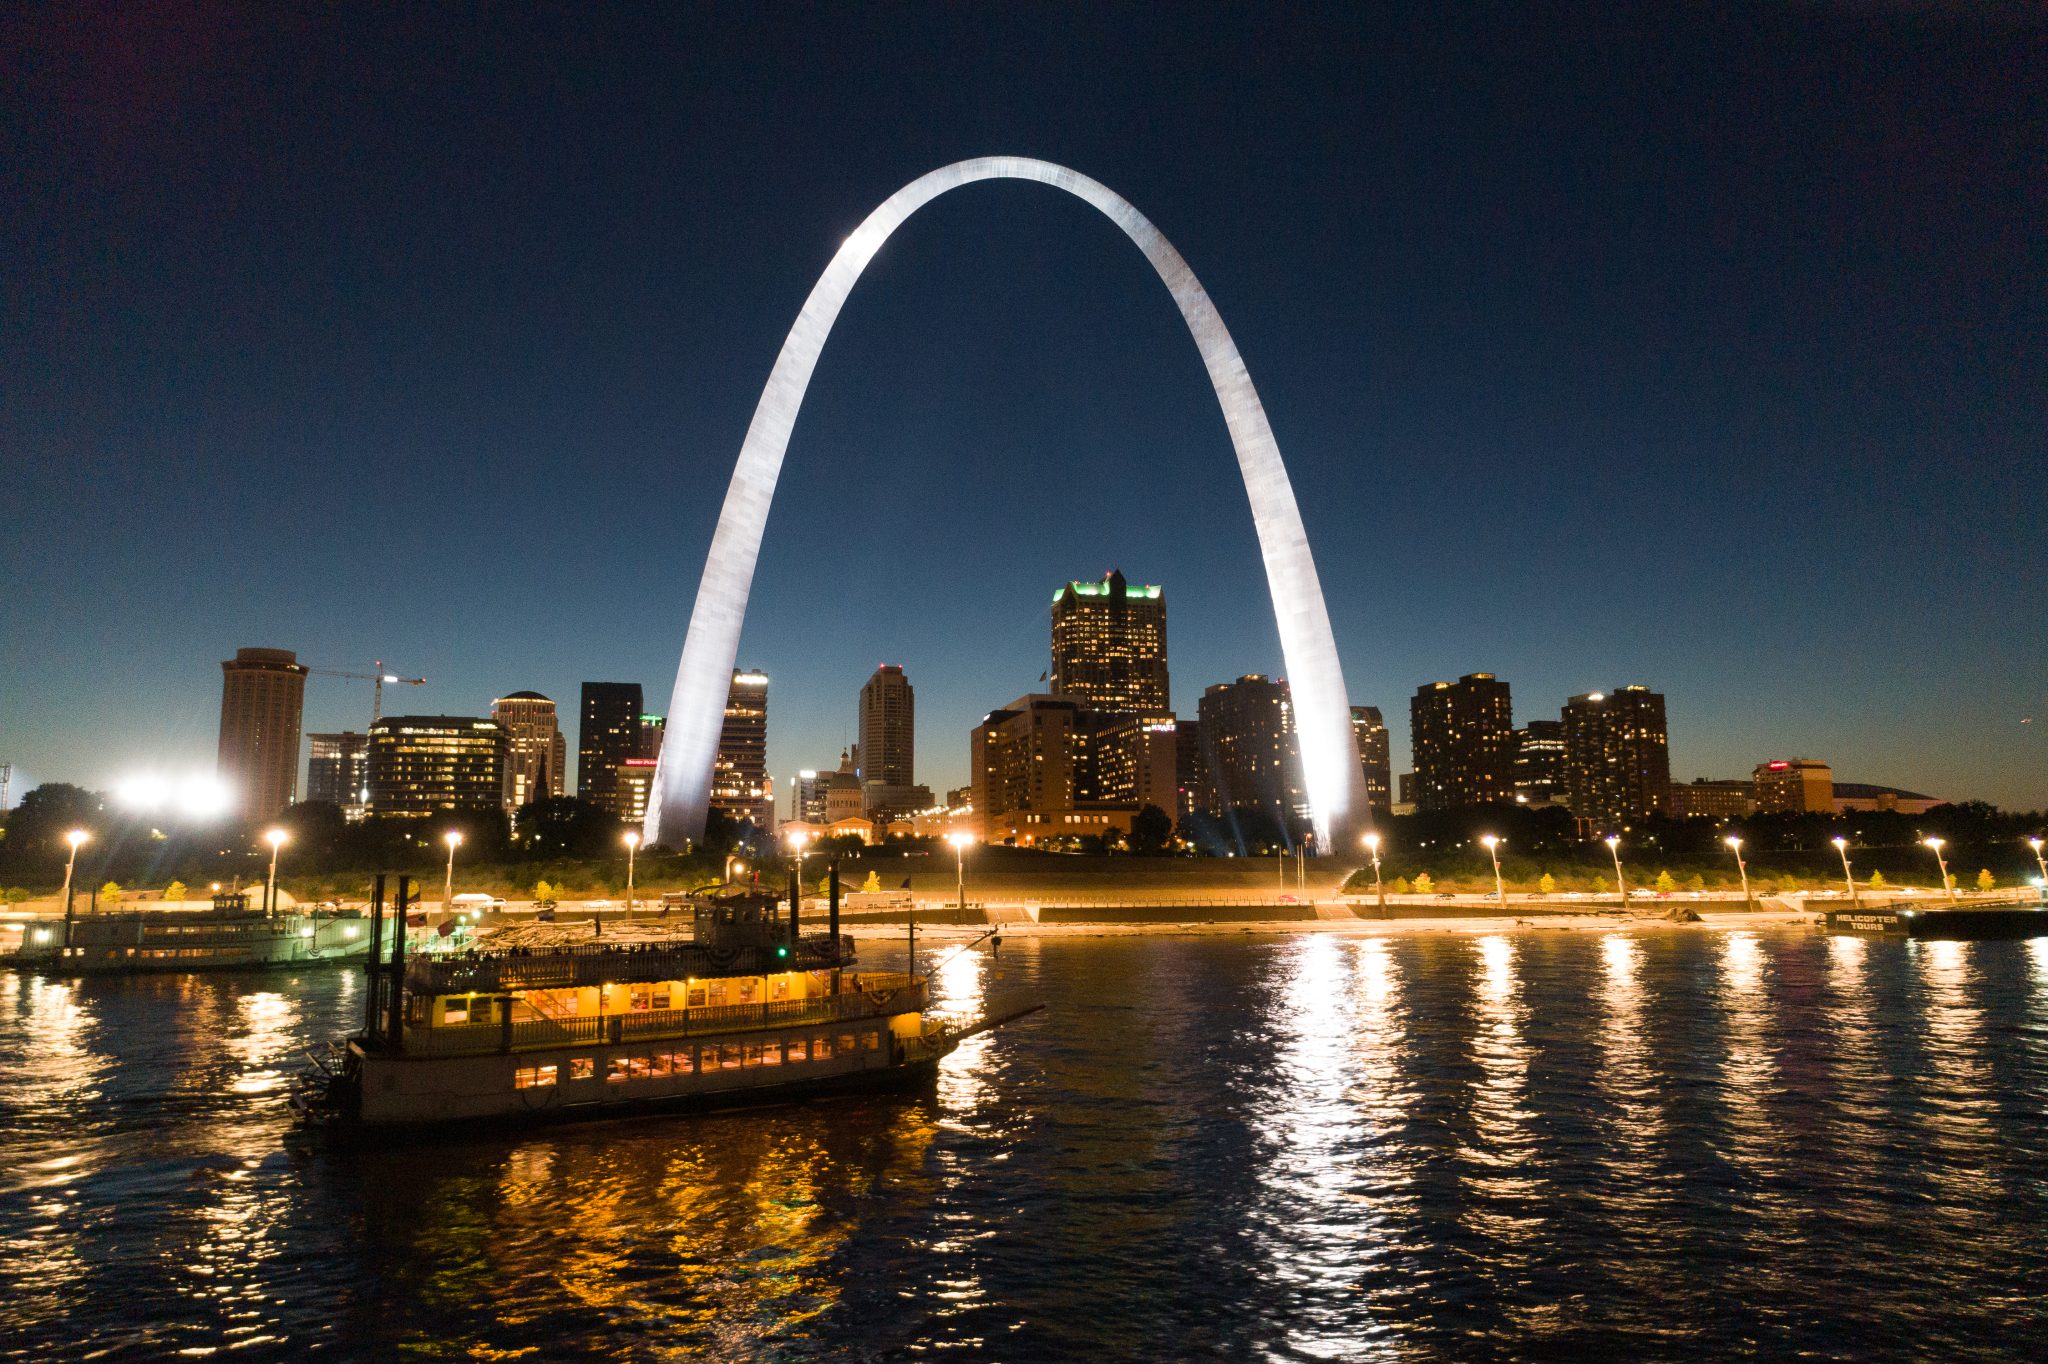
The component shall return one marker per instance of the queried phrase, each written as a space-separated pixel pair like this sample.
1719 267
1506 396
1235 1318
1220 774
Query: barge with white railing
749 1007
226 935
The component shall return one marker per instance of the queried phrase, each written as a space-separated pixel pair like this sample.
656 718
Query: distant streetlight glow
1379 887
1735 846
77 838
2040 862
1613 842
960 838
1500 889
276 838
1935 846
453 838
1848 877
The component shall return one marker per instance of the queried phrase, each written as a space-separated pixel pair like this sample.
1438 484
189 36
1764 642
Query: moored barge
748 1008
1941 922
229 936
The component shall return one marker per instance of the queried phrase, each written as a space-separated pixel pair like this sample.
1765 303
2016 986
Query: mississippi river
1652 1144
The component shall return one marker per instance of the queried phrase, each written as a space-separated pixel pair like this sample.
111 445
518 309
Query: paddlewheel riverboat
749 1007
228 936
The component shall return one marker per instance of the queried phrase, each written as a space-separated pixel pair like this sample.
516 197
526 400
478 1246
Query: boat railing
610 963
879 996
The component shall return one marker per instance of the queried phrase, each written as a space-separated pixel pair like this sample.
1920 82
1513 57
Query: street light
632 846
76 838
960 838
453 838
797 839
1500 890
1735 846
733 864
276 838
1379 887
1842 847
2035 844
1613 842
1935 845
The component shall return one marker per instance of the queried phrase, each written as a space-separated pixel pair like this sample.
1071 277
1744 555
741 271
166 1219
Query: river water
1654 1144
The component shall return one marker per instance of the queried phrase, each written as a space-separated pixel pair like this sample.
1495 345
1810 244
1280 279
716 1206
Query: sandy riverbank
1353 928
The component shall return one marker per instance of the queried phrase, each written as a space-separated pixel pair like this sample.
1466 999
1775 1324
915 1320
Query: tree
1985 880
1546 885
1423 885
543 891
873 884
1665 885
1877 881
175 891
1696 882
563 826
35 829
1151 830
1400 886
110 893
17 895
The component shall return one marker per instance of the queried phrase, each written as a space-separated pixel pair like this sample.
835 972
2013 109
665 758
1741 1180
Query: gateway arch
1322 709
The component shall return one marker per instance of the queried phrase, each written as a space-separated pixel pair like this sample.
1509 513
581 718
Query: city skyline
1500 401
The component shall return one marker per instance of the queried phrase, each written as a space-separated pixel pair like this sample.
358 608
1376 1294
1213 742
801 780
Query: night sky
1604 345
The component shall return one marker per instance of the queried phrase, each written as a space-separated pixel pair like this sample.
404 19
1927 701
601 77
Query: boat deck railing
878 996
613 963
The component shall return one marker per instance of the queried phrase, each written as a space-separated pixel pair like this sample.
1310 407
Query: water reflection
1502 1161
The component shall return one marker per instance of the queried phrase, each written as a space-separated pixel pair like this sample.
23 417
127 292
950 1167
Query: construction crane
378 678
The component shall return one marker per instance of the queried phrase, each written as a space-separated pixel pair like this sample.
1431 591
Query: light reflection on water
1639 1143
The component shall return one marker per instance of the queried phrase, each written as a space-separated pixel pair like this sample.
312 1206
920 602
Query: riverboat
228 935
747 1008
1939 922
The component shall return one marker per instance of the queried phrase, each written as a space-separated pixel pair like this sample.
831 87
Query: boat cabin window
455 1011
649 997
795 1047
779 990
696 997
771 1053
533 1077
821 1047
684 1061
871 1039
582 1067
729 1056
846 1044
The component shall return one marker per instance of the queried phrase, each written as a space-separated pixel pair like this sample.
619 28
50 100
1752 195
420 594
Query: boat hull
2004 922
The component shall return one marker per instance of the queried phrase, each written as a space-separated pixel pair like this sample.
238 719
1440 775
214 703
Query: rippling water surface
1656 1144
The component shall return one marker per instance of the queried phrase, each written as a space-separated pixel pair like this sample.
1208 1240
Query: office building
1617 756
739 774
338 771
1539 764
886 755
632 785
1706 798
262 702
1109 645
535 751
422 765
1130 759
607 734
1794 786
1190 769
1250 754
1369 728
652 727
1049 770
1463 737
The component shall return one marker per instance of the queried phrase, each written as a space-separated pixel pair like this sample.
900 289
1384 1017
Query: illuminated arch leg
1322 713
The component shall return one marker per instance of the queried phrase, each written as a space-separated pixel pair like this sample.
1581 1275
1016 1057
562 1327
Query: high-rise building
262 701
338 771
886 754
424 765
535 752
1132 760
1540 763
1794 786
1369 728
807 796
1030 763
1252 757
739 774
1190 768
608 733
1617 755
1463 736
652 728
1109 645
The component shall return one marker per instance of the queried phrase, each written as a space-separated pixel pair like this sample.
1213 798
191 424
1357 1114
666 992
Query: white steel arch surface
1322 711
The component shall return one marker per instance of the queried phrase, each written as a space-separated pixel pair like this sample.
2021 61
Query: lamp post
1935 845
1613 842
797 839
1379 887
733 864
77 838
1500 890
632 846
960 838
453 838
2042 863
1735 846
1849 877
276 838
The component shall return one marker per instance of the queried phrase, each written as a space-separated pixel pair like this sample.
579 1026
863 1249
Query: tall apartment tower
888 744
607 734
1250 755
1463 734
1109 645
262 703
739 775
1540 763
535 752
1369 728
338 771
1617 756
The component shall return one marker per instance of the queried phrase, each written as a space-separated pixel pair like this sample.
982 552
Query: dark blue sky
1605 345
